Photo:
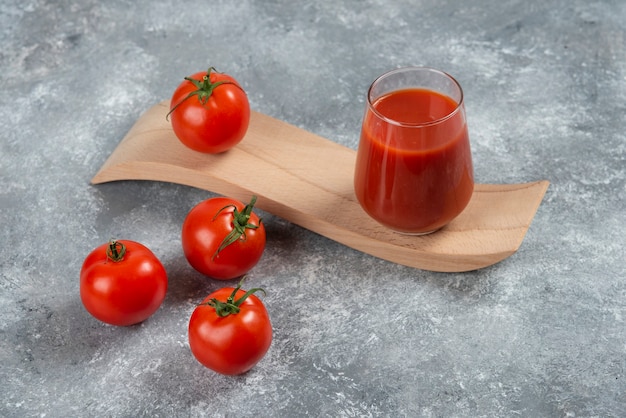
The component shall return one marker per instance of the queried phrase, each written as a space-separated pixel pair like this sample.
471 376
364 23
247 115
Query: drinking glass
414 169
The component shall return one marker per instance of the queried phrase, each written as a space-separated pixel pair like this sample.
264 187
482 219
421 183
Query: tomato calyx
204 89
231 306
240 224
116 251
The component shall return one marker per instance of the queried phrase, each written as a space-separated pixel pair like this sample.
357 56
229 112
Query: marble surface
540 334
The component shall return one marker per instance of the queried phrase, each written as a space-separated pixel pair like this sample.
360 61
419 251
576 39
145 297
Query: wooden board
307 180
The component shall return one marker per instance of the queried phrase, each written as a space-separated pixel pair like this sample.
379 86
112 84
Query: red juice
414 168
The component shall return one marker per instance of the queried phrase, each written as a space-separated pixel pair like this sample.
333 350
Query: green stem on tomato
240 224
204 89
116 251
231 306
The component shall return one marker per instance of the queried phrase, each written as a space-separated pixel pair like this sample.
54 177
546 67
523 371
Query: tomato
230 331
210 112
222 238
122 283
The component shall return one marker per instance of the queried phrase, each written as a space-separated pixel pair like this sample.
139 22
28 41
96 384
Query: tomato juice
414 168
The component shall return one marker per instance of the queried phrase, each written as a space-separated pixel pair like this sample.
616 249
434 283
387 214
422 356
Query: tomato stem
231 306
204 89
116 251
240 224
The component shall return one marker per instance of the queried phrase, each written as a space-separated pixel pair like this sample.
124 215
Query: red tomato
230 331
210 112
222 238
122 283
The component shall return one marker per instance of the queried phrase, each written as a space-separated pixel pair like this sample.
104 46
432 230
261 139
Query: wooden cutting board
307 180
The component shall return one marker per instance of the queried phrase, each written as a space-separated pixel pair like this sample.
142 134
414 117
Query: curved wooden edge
307 180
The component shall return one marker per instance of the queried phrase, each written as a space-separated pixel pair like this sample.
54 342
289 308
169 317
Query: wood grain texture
307 180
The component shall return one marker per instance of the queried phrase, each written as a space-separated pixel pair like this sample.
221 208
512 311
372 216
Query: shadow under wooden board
307 180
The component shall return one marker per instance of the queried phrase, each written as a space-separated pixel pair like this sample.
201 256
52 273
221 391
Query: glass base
410 233
416 234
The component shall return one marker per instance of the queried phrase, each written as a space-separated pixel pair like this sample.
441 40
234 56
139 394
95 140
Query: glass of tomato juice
414 169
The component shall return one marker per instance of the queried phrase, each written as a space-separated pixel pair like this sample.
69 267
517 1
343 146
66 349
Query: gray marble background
540 334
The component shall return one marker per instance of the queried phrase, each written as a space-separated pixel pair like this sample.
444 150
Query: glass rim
414 124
